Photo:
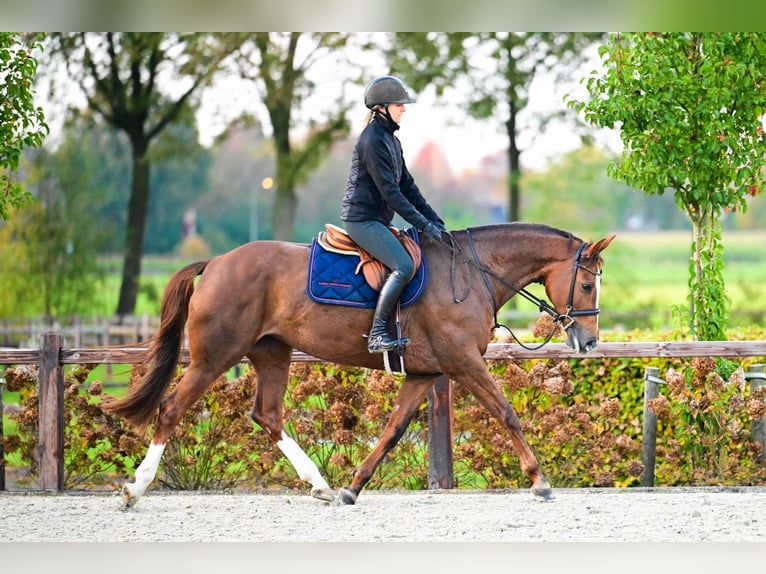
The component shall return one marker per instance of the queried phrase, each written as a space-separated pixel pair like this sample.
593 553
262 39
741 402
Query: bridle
563 320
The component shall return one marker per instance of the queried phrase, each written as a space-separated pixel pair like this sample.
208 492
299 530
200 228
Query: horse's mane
523 226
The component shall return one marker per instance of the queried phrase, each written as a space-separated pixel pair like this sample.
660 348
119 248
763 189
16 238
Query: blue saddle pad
332 279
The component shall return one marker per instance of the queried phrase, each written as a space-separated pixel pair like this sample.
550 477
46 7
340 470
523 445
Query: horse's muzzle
580 340
591 345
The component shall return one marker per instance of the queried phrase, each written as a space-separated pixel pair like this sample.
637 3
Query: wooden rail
129 355
98 331
52 356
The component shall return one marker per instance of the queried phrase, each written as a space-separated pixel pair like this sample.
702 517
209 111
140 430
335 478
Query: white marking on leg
146 471
305 467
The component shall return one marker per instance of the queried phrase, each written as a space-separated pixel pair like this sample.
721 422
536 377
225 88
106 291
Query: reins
562 320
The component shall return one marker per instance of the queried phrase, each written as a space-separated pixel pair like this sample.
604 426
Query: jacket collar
386 122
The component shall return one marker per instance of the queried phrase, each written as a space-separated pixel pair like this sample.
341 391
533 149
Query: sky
464 141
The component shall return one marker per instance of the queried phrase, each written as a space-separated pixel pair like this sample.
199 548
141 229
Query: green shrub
705 412
97 447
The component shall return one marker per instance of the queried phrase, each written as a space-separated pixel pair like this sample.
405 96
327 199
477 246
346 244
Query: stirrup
380 344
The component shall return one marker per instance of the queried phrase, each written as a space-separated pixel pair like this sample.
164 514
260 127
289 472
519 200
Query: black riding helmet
385 90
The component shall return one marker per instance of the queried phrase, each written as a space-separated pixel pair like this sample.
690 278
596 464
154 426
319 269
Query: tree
570 194
280 64
690 110
180 168
22 124
140 83
48 253
500 68
230 211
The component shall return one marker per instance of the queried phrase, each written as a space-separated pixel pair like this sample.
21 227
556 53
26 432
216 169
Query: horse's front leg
411 395
271 361
475 378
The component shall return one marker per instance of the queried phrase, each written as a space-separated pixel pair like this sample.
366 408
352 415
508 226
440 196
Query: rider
379 185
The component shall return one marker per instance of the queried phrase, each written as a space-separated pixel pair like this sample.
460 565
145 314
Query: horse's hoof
128 500
346 496
325 494
543 492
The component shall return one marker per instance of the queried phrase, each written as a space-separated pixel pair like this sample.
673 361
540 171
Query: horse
252 302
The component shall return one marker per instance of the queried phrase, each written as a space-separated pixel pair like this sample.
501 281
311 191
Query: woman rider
379 185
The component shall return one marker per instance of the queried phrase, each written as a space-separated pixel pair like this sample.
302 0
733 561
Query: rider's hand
440 225
431 232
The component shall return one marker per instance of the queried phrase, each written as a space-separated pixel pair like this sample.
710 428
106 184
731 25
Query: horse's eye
587 287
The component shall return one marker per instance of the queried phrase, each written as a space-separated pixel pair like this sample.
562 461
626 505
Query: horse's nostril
590 345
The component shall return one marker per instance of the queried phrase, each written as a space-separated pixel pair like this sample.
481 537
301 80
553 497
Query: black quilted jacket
379 184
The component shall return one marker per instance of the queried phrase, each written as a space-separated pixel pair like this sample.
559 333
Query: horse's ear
595 248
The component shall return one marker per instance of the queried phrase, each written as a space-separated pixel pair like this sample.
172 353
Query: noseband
564 320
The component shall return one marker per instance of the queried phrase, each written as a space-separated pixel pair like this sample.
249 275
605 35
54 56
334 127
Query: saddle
336 239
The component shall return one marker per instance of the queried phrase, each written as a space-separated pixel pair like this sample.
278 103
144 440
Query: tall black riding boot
378 340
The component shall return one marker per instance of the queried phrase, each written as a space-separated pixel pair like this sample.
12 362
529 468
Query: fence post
2 436
51 415
440 461
758 428
649 437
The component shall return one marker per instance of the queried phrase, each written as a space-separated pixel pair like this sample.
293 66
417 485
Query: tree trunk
136 225
695 272
514 173
707 297
285 200
283 214
514 167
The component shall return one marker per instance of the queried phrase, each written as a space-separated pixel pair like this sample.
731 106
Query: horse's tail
139 407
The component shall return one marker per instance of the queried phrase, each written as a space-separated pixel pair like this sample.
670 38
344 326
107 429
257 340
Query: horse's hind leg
190 388
271 362
411 395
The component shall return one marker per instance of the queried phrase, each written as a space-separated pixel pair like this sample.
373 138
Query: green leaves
22 124
683 102
690 109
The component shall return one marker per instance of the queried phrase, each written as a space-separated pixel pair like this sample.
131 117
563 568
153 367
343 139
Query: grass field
648 273
646 276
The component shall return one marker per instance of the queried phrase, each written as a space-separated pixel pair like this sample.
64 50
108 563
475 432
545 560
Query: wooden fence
102 331
52 356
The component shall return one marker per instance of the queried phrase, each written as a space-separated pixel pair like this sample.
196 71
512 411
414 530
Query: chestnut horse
252 302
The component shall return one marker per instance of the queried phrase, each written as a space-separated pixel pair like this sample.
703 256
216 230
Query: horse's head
573 288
